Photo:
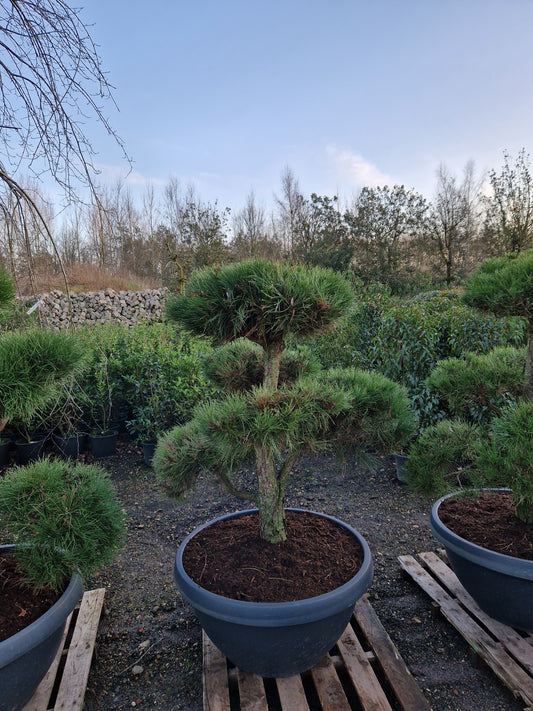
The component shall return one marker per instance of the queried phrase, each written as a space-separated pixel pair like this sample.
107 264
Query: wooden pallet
64 685
363 671
507 652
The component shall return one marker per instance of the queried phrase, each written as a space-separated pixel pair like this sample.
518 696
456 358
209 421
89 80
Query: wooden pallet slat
291 693
343 680
328 686
252 692
358 666
75 673
518 646
394 667
503 649
215 677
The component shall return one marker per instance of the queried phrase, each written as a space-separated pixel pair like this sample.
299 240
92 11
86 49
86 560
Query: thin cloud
114 173
355 169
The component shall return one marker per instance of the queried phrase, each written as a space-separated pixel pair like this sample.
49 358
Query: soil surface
148 651
489 521
317 557
19 605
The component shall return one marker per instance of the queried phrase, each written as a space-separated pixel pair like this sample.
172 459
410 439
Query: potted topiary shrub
63 521
500 580
277 405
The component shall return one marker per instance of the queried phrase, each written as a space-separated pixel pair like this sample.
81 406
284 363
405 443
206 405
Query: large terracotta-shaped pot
275 639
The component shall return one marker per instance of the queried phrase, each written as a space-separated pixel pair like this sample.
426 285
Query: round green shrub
66 516
262 301
443 459
477 387
503 285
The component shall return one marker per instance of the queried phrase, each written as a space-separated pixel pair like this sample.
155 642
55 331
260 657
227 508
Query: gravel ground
148 651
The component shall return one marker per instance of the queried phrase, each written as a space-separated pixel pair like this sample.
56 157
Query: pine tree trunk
272 365
269 498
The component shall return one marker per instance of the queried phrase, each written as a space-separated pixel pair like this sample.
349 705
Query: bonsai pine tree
278 403
504 286
33 363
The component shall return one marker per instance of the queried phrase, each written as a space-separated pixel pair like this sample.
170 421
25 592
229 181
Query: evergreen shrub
404 339
444 458
67 516
506 458
477 387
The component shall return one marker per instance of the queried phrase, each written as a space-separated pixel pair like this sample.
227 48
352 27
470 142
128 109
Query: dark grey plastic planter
30 451
104 445
399 461
26 656
148 452
70 447
275 639
500 584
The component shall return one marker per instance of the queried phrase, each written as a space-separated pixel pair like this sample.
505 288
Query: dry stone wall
128 307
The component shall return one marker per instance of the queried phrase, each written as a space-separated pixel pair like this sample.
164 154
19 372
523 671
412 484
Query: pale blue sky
345 92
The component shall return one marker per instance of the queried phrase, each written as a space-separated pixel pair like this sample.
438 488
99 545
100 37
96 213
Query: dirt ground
148 653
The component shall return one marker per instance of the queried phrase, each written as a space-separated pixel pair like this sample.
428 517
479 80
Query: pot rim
35 633
499 562
266 614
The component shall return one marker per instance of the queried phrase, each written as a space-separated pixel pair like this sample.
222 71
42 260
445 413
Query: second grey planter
501 585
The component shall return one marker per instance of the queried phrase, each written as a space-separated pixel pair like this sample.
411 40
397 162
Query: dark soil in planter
149 644
19 604
317 557
489 520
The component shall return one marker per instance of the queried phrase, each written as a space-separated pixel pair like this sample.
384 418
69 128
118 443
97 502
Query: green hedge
405 338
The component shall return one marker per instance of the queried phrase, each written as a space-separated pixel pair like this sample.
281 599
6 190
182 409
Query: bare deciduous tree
51 84
509 222
251 236
453 222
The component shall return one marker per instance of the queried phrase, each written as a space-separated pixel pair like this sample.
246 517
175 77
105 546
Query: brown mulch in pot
488 520
20 605
230 559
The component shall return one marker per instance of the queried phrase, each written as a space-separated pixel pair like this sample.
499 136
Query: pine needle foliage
33 364
503 285
66 516
240 365
262 301
477 387
506 459
379 416
444 458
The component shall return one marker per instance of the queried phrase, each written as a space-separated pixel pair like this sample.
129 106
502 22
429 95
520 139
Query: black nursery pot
29 451
70 447
104 445
148 452
501 585
275 639
5 448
